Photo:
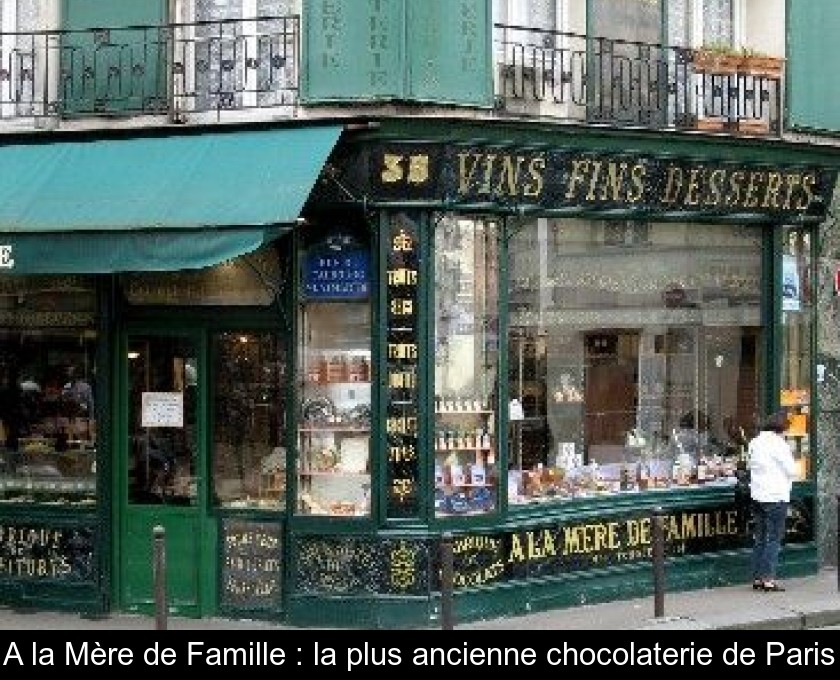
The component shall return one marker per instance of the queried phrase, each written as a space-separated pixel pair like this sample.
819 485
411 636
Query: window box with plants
725 59
760 65
716 59
733 63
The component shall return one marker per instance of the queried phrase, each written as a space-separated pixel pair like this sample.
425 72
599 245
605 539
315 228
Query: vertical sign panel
402 364
449 51
252 565
353 49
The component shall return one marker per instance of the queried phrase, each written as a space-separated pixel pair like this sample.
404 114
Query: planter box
753 126
706 61
711 124
764 67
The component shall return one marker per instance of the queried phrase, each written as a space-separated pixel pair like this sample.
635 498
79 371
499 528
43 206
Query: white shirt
772 468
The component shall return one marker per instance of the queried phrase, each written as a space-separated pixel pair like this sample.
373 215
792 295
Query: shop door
162 474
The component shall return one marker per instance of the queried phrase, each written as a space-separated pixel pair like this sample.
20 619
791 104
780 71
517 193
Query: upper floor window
703 22
242 52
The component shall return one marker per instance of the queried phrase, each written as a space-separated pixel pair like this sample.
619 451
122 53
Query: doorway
201 439
611 392
162 473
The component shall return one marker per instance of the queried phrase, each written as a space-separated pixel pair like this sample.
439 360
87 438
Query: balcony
584 79
185 72
225 71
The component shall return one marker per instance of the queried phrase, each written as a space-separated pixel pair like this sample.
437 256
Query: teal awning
154 203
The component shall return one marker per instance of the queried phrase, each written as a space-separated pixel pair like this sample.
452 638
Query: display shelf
465 485
465 455
334 398
332 473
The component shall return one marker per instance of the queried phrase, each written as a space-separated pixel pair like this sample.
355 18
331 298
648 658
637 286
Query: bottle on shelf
702 469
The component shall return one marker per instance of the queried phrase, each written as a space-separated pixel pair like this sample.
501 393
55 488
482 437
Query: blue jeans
768 532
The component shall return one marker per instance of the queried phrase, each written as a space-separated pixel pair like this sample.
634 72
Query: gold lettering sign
402 277
401 306
405 453
402 242
559 178
402 488
501 174
401 425
627 540
413 169
402 350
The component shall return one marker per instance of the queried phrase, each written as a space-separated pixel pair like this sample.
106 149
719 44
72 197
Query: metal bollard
159 573
447 575
658 536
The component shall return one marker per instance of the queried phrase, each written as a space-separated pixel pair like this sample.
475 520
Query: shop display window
334 379
634 356
797 328
466 477
249 454
47 391
334 421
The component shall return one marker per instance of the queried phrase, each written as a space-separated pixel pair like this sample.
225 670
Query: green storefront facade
444 303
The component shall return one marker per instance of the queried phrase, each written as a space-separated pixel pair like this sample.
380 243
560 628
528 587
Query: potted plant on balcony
721 58
718 58
760 64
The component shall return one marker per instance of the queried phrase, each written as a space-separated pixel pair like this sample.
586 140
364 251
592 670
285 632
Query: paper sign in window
162 409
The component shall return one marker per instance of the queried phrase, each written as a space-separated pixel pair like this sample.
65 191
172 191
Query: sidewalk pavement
809 602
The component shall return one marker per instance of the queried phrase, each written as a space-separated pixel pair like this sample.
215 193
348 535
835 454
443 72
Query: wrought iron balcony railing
177 69
621 83
204 69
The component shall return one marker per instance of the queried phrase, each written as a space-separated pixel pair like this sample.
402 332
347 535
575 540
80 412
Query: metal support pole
658 535
447 574
159 569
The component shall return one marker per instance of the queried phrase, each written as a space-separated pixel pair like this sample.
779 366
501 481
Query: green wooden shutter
812 83
419 50
113 71
450 51
352 50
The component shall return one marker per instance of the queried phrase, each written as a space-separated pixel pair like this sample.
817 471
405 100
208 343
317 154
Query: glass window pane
47 390
335 400
466 365
249 456
163 383
635 353
797 328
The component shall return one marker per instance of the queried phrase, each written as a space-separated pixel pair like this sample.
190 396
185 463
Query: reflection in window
797 329
249 456
47 390
245 280
466 366
162 407
634 352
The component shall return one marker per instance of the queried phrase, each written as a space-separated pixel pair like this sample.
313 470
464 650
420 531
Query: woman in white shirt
772 471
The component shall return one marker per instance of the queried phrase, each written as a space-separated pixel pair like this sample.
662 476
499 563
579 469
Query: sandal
772 586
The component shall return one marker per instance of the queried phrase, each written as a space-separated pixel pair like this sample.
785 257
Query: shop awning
153 203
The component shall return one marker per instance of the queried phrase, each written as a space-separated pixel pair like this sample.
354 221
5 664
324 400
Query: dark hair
776 422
